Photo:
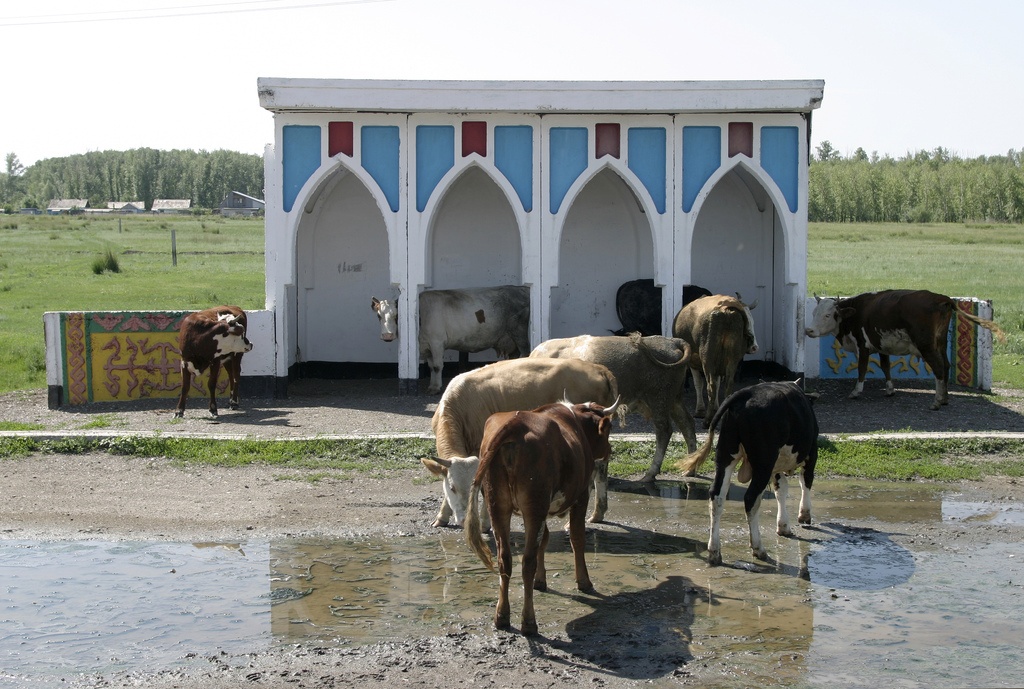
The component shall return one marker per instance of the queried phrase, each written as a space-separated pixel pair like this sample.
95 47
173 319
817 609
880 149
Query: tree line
926 186
142 174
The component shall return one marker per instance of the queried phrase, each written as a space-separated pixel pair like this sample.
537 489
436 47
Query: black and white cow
769 431
638 305
466 320
892 323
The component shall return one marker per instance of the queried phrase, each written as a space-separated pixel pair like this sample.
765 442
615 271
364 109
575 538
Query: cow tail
691 462
638 341
472 528
982 322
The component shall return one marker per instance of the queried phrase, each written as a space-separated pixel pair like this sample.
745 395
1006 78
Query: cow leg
700 388
233 367
863 359
714 388
536 537
752 503
662 434
444 515
883 363
435 361
719 489
186 383
805 498
781 495
939 362
578 540
504 545
684 422
600 491
212 386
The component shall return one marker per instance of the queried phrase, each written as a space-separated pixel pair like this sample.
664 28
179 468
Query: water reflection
96 606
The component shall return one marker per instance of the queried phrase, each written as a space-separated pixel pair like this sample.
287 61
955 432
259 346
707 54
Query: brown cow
891 323
720 331
536 464
210 339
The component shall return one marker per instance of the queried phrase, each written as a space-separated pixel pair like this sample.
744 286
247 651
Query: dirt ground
102 496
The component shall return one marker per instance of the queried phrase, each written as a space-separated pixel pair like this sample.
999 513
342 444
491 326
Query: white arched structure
569 187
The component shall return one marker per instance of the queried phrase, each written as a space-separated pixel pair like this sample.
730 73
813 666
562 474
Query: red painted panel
606 140
339 139
474 138
741 138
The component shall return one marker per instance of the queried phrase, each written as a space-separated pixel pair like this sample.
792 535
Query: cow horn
447 463
611 410
817 299
751 307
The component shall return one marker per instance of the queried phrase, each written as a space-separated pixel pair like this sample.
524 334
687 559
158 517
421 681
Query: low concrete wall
118 356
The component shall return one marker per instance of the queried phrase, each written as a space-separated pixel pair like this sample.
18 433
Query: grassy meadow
60 263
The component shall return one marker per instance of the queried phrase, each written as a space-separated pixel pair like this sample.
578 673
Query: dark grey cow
650 372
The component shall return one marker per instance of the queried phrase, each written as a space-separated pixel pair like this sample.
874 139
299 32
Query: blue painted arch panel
780 158
435 156
702 155
513 156
568 161
380 158
647 158
300 159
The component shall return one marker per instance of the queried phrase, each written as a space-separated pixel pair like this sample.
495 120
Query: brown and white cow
650 372
210 339
536 464
769 431
466 320
720 332
471 397
893 323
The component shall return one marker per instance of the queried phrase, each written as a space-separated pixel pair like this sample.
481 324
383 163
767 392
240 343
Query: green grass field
47 263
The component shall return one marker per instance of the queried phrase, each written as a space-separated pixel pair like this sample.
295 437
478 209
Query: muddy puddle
894 585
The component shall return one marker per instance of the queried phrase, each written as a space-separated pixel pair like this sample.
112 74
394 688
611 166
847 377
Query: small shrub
105 263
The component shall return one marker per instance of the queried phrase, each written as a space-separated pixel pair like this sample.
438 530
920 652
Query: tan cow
720 332
536 464
508 385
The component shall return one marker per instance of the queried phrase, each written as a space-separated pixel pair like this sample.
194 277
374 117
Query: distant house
171 205
30 211
126 206
59 206
237 203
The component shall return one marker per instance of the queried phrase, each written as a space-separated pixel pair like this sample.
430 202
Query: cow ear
845 312
374 303
436 466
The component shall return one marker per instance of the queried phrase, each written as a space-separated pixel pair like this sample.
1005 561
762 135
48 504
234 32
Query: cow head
596 422
387 314
232 339
456 474
826 317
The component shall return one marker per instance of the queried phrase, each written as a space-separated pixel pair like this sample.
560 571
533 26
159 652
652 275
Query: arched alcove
739 246
474 239
341 262
606 240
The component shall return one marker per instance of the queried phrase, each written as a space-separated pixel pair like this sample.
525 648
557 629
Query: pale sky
900 75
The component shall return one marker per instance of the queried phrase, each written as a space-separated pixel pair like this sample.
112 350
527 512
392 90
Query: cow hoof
761 554
714 558
588 588
530 629
440 523
853 396
935 406
540 586
595 518
648 478
179 414
502 623
804 518
785 532
233 405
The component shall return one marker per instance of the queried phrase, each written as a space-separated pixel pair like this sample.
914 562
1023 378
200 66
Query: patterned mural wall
123 355
968 354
